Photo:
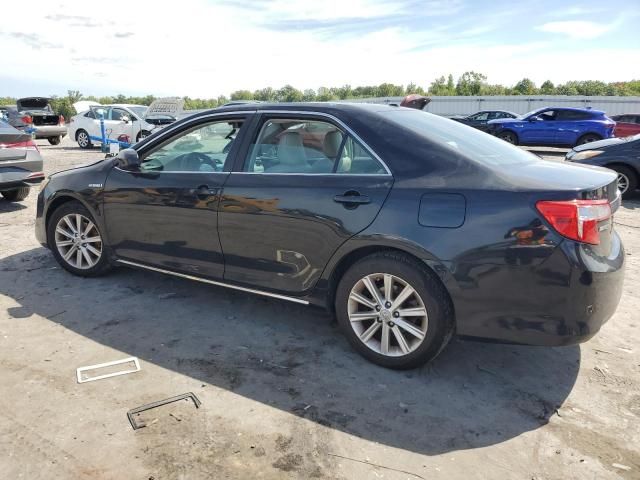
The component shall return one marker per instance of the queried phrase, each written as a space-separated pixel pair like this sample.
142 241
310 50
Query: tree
525 87
412 88
470 83
309 95
288 94
242 95
440 87
265 95
547 88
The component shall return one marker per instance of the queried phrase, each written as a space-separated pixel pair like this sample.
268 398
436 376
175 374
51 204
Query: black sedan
619 154
410 227
479 119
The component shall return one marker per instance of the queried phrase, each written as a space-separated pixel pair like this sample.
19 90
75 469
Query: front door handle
352 199
204 191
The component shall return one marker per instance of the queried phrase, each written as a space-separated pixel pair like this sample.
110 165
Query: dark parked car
20 163
409 226
36 113
619 154
479 120
554 127
627 124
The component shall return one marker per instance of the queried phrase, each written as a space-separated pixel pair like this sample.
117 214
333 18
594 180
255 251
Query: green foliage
469 83
525 87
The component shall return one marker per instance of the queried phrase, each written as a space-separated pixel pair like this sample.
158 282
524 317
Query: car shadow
633 202
6 206
293 358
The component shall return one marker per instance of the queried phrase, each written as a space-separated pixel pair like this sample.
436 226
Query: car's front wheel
508 137
55 140
82 137
76 241
16 195
394 311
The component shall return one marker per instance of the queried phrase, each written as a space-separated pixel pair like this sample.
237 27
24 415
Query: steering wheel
191 162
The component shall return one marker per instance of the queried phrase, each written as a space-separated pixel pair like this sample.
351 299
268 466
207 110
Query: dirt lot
283 395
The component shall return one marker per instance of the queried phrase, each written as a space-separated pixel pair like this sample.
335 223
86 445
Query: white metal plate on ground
81 370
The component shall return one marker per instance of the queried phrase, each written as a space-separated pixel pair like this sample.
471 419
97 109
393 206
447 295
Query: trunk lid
33 103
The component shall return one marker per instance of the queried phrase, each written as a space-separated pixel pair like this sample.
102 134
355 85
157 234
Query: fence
450 106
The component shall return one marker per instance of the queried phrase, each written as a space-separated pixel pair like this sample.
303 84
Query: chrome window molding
168 130
335 120
214 282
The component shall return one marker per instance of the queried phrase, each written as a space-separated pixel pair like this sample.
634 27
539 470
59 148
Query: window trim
161 141
266 115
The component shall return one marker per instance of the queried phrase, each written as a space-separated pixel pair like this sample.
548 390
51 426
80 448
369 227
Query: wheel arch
63 198
584 134
618 163
342 262
509 130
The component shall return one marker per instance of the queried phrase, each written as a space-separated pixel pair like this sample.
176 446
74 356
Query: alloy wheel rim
78 241
387 314
82 139
623 182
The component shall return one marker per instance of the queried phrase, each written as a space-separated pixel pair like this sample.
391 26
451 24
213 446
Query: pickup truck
34 114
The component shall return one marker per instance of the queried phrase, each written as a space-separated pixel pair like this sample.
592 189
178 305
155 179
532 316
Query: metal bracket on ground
159 403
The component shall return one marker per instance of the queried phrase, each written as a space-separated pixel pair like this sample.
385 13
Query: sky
206 48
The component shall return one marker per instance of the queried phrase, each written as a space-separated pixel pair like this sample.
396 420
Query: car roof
573 109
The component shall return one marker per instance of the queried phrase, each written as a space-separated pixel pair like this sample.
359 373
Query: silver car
20 163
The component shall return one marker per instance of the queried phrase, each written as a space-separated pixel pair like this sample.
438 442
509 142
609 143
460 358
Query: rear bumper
47 131
21 173
563 301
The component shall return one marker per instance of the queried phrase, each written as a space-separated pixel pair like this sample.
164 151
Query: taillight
28 145
576 219
27 119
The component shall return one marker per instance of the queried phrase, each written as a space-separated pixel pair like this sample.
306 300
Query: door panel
162 219
279 231
166 213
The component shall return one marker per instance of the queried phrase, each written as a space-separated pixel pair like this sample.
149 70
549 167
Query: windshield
470 142
532 112
139 111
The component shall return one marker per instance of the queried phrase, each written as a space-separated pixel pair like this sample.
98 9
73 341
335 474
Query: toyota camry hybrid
408 226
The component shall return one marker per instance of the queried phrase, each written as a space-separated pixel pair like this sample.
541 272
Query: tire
588 138
436 327
141 135
55 140
82 137
508 137
16 195
626 178
78 263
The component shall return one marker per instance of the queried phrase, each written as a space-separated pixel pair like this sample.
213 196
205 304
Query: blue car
554 127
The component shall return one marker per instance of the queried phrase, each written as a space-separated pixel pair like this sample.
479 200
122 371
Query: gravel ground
283 395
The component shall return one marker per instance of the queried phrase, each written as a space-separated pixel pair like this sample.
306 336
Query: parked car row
132 122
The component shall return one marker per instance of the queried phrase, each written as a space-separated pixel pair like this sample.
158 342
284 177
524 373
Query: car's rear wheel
508 137
76 241
55 140
82 137
393 311
16 195
627 180
588 138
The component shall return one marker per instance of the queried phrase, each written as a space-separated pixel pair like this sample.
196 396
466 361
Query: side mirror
535 118
128 159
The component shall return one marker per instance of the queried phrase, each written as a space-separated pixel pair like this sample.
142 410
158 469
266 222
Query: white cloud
207 49
578 29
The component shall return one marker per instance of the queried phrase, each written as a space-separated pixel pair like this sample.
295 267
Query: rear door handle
352 198
204 191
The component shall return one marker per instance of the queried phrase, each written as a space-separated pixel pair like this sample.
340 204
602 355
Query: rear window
470 142
573 115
